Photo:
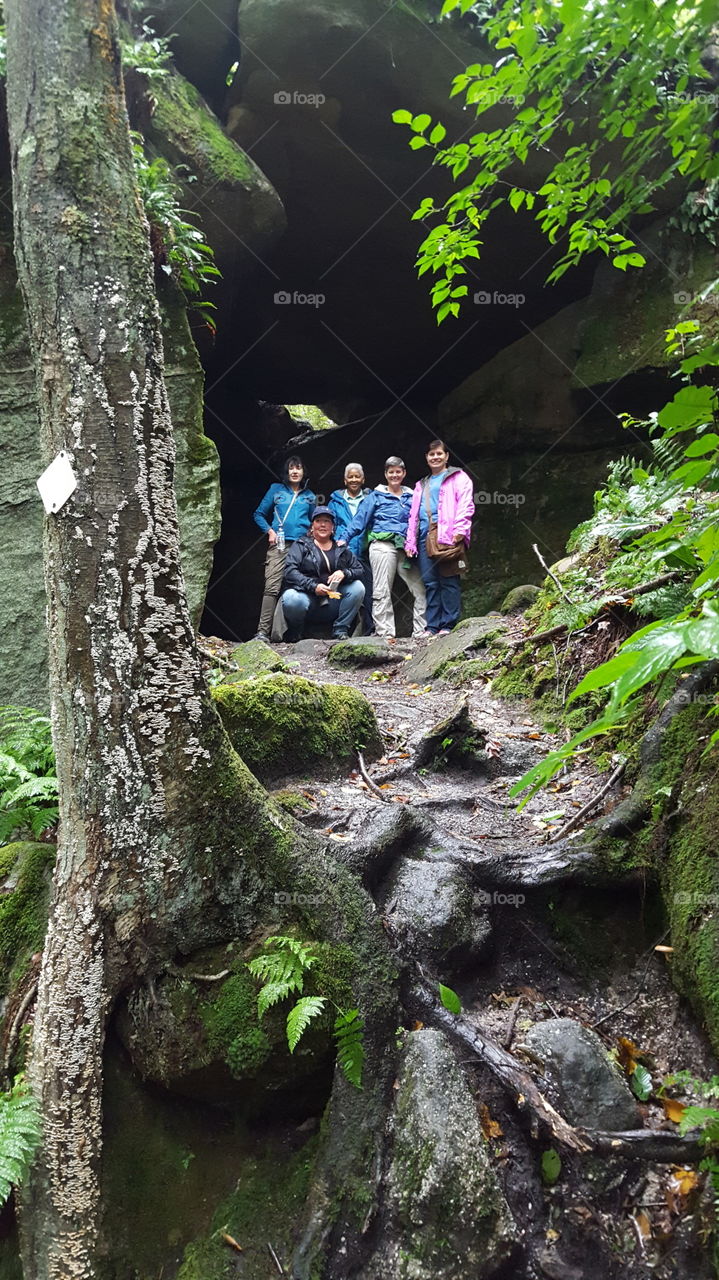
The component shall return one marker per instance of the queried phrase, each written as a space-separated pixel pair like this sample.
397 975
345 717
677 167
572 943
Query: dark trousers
444 594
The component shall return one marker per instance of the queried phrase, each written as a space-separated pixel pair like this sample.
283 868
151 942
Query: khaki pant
274 571
387 561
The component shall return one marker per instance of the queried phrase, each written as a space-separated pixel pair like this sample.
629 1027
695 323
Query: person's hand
322 589
341 542
272 537
458 537
335 578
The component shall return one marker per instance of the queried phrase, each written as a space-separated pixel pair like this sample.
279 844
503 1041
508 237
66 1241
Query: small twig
16 1025
370 781
507 1043
591 804
549 573
275 1259
230 1240
209 977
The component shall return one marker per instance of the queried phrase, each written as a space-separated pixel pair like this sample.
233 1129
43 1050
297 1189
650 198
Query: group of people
326 563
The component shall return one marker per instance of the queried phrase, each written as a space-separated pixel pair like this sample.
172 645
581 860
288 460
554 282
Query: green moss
254 658
460 673
292 801
186 122
26 870
266 1205
352 654
281 724
234 1031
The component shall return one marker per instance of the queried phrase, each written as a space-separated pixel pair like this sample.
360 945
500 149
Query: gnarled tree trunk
166 841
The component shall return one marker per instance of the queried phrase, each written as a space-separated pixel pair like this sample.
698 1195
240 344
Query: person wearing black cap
323 581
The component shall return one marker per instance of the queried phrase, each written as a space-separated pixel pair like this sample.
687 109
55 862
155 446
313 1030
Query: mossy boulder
363 652
25 876
254 658
283 725
436 657
519 598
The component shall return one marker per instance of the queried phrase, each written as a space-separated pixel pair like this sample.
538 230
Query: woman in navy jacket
385 516
284 514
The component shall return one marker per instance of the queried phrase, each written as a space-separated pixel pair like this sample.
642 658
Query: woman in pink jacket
449 492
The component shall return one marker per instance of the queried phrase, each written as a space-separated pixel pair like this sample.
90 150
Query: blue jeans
444 595
299 607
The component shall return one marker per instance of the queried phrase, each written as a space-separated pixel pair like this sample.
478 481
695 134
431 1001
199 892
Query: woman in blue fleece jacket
384 515
284 514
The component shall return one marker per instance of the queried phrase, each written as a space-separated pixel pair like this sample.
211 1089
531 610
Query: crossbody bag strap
281 519
427 502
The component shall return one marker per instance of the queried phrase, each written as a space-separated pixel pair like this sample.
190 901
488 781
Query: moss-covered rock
284 724
361 653
436 657
519 598
254 658
25 876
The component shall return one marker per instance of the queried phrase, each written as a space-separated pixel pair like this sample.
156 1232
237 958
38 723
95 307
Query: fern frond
20 1132
42 819
302 950
299 1018
32 789
273 992
349 1034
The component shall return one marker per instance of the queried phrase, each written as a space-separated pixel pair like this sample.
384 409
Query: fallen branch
657 1145
515 1079
549 574
372 785
619 597
592 803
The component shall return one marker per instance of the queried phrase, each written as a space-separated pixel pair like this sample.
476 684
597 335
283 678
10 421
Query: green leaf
706 444
551 1167
420 122
450 999
402 117
438 134
641 1083
349 1034
299 1018
691 407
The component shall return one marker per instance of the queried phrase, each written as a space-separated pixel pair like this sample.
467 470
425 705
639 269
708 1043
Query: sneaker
340 635
262 635
391 639
443 632
422 635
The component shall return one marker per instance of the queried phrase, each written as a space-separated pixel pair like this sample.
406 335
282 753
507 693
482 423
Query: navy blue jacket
381 512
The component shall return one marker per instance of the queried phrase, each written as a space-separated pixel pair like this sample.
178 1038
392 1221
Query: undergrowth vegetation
651 549
28 786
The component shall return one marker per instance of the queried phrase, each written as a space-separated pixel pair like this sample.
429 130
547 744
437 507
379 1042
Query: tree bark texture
142 759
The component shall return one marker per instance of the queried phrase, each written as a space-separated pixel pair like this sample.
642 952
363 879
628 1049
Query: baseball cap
322 511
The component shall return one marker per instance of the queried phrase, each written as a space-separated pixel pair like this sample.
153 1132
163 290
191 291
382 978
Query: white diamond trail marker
57 482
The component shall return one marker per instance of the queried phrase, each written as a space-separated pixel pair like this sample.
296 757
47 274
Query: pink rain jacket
454 509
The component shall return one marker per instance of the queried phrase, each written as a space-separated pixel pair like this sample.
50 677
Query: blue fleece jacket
342 512
382 512
275 507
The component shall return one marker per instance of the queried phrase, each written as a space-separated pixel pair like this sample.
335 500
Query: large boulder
436 913
447 1218
284 725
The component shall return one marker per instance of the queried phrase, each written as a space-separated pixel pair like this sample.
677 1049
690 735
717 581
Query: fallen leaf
673 1109
551 1235
666 950
230 1240
533 735
490 1128
684 1181
643 1223
417 1026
